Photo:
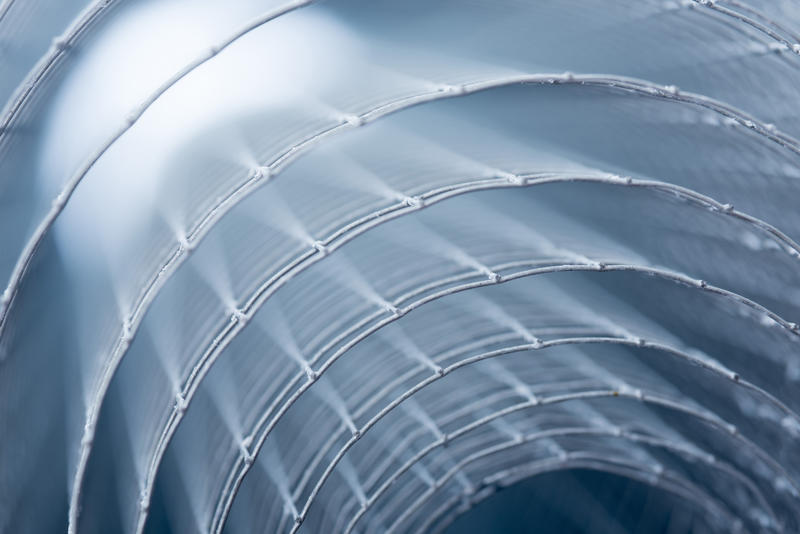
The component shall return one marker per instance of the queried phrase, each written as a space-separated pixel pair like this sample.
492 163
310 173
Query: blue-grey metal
247 273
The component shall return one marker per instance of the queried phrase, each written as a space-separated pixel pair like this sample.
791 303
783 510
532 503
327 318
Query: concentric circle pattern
358 265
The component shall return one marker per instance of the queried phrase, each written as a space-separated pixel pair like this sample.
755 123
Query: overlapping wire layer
352 266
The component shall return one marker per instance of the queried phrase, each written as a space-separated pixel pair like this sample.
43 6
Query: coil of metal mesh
371 266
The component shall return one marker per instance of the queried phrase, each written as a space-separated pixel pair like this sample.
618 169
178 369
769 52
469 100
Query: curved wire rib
651 476
766 20
129 329
439 373
218 345
66 193
501 448
93 14
404 308
621 466
634 437
63 197
47 64
255 177
4 7
8 296
752 22
354 228
445 439
729 430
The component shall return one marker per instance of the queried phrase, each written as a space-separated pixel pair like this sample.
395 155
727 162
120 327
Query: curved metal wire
634 437
403 309
630 470
692 489
347 232
712 420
